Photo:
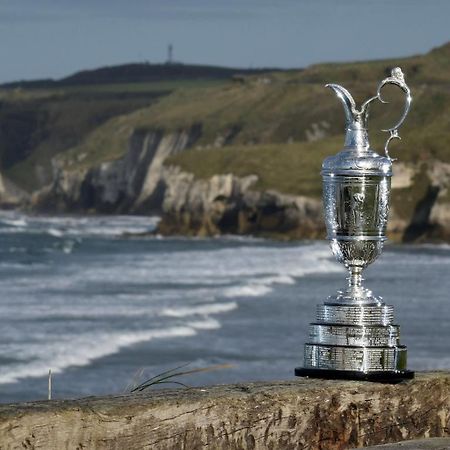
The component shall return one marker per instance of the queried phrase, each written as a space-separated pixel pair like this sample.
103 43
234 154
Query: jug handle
397 79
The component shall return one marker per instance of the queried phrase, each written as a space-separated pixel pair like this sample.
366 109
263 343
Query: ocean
105 308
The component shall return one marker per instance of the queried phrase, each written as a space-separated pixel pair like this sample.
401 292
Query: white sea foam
186 311
12 230
249 290
206 324
62 309
55 232
279 279
21 222
81 349
174 287
106 226
106 308
290 263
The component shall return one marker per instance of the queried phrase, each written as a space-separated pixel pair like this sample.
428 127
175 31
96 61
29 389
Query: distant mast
169 54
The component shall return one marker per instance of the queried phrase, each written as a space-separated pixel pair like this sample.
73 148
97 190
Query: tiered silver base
356 341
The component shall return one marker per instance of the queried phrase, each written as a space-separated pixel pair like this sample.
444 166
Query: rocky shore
141 182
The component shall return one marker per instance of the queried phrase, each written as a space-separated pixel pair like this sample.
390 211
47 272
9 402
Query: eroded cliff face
140 182
11 196
131 184
420 202
226 204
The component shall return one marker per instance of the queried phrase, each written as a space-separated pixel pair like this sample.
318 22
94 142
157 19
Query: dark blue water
103 311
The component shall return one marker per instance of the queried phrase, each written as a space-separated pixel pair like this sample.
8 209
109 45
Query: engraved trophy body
354 336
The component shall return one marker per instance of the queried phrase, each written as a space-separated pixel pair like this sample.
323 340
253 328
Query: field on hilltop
40 119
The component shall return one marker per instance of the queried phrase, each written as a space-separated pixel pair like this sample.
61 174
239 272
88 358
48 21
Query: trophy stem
356 292
355 278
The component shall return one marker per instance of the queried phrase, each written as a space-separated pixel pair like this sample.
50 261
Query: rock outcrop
11 196
226 204
140 182
130 184
421 207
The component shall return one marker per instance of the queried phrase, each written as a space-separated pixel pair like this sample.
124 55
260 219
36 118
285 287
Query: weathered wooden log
420 444
298 414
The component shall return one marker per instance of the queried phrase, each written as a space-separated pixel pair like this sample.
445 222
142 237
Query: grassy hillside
287 109
34 128
293 167
290 168
278 125
281 125
39 120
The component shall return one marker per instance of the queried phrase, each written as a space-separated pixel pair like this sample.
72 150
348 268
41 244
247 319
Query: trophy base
391 377
355 342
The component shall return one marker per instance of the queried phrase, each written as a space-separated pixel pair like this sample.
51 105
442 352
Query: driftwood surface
299 414
421 444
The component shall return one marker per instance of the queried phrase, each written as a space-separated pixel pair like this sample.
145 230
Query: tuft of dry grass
168 377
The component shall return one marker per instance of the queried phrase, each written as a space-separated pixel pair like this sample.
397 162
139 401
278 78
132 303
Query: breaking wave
72 295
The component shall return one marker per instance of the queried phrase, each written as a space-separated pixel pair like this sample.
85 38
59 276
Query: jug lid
352 162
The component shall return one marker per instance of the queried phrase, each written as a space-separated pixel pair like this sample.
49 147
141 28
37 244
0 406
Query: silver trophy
354 335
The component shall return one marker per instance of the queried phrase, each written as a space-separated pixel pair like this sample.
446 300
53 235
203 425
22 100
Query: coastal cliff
146 180
130 184
141 182
240 156
11 196
228 204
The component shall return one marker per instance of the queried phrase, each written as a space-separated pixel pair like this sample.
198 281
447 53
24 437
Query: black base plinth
377 377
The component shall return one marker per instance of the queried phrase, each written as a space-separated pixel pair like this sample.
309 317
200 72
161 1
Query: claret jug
353 335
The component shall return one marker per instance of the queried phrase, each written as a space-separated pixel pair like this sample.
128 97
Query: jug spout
356 136
351 113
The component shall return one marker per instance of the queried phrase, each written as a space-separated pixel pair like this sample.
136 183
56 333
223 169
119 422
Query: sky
54 38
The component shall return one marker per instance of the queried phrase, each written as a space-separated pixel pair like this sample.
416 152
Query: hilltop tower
169 54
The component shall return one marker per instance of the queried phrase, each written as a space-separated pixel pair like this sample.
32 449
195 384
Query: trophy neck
356 138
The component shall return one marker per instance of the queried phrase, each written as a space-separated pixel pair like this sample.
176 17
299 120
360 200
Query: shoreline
160 230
